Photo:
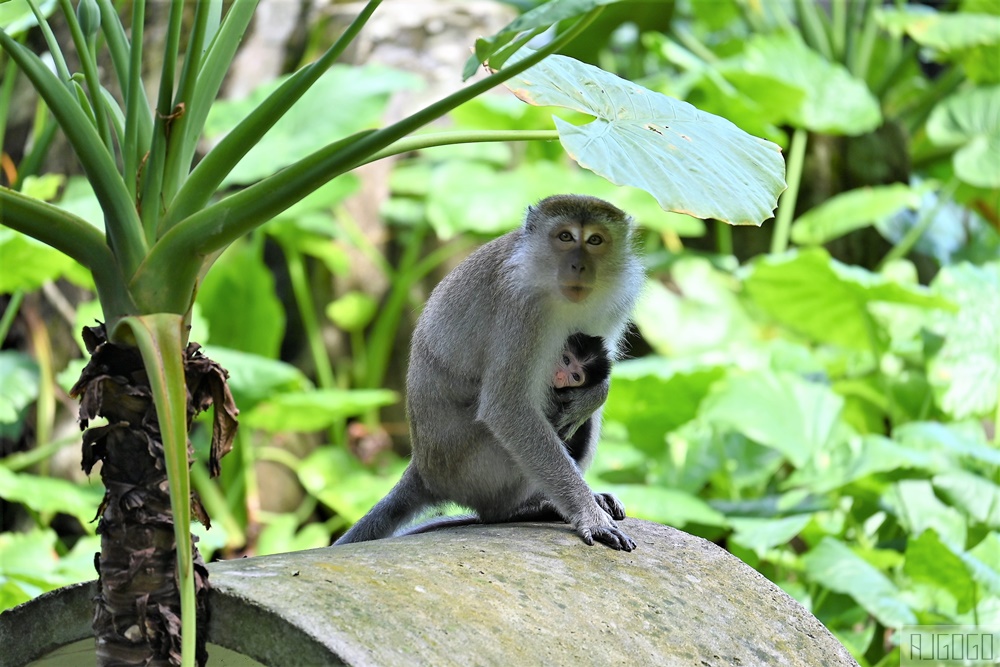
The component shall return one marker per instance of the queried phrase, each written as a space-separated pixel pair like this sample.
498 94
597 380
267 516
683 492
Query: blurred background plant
819 396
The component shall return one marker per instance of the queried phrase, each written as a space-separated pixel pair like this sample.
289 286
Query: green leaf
20 381
959 442
833 565
691 161
353 311
942 31
778 410
852 210
667 506
315 410
16 16
827 301
835 102
48 494
763 534
918 509
930 562
238 299
970 120
976 497
652 396
28 264
702 313
342 483
253 378
343 101
965 372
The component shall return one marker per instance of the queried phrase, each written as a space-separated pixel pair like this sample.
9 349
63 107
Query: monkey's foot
604 530
611 505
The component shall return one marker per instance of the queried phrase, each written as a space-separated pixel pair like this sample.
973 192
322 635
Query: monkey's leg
406 500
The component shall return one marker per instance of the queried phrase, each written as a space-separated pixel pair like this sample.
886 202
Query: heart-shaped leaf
691 161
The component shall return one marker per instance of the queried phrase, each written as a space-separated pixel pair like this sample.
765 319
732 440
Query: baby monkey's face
569 372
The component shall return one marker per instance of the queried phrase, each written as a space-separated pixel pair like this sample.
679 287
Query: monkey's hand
600 527
611 505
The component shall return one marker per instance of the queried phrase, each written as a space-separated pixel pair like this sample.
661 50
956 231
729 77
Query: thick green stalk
175 170
786 209
813 24
122 223
182 250
138 122
435 139
50 40
89 74
152 174
211 171
160 339
6 93
310 321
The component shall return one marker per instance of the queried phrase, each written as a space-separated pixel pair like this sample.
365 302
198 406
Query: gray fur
478 384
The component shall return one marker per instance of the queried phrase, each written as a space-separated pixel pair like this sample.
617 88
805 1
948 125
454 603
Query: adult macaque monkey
480 381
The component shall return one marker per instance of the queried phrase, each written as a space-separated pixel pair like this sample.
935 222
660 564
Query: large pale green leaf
19 379
16 16
931 562
762 534
315 410
965 372
778 410
691 161
668 506
253 378
834 103
338 480
852 210
976 497
970 120
48 494
833 565
944 32
917 509
828 301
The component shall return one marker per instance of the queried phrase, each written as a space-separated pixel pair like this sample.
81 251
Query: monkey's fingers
611 505
607 535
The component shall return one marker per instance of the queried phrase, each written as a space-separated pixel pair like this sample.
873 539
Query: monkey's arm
576 405
513 415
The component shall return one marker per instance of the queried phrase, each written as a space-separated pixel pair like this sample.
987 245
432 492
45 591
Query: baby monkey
584 363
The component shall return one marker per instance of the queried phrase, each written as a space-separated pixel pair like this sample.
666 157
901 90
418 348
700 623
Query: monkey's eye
576 377
565 360
565 236
595 239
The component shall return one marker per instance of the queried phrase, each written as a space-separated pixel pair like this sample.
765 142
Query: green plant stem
793 174
9 313
160 339
434 139
211 171
310 320
813 24
861 61
913 235
154 172
89 74
41 143
723 238
62 70
182 251
6 94
216 506
138 122
838 29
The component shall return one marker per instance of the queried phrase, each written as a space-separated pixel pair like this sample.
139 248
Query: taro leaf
828 301
931 562
852 210
835 102
965 372
762 534
976 497
667 506
944 32
778 410
833 565
238 299
253 378
338 480
652 397
315 410
48 494
16 16
970 119
26 264
19 379
540 17
918 509
691 161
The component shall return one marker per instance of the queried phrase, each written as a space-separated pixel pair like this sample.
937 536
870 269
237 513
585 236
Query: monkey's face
569 372
579 249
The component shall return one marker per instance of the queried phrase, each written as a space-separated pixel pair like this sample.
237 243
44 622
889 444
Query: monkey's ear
529 218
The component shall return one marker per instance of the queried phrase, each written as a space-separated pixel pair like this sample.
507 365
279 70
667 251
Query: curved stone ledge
501 594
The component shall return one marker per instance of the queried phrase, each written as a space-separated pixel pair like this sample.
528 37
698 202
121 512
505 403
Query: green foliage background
827 412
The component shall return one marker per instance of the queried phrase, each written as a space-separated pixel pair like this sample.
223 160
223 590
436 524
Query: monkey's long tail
409 497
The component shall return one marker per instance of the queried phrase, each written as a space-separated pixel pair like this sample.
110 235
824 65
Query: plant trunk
137 608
